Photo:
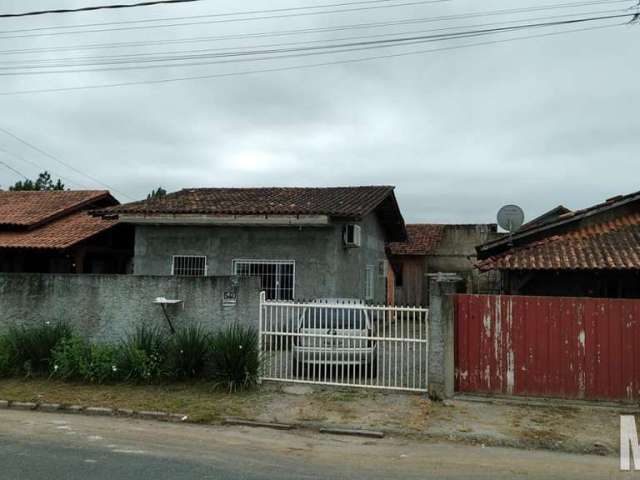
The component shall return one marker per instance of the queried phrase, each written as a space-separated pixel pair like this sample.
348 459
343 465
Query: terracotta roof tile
332 201
612 244
28 209
423 239
58 234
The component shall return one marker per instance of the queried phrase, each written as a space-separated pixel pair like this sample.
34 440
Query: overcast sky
537 122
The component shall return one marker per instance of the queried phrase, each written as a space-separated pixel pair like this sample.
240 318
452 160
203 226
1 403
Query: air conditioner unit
352 235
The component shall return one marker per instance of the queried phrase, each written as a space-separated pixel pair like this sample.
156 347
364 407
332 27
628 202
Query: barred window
369 283
277 277
189 266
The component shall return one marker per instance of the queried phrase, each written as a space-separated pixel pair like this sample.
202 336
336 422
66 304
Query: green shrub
70 358
235 358
77 359
144 355
30 348
188 352
5 360
103 364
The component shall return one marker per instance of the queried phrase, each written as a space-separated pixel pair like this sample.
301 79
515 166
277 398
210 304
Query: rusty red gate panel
577 348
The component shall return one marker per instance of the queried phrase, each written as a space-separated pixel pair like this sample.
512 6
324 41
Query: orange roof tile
423 239
58 234
611 244
30 209
333 201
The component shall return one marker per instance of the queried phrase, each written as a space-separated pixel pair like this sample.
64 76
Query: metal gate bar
344 344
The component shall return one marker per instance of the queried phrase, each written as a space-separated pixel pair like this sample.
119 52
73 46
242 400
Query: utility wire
297 67
232 20
41 167
402 22
90 9
278 54
389 4
18 172
161 56
70 167
304 31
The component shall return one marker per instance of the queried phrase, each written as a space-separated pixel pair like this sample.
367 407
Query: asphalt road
35 446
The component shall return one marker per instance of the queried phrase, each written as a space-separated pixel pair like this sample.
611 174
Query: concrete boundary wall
107 307
441 337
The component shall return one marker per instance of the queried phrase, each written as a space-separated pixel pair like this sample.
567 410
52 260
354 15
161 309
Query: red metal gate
580 348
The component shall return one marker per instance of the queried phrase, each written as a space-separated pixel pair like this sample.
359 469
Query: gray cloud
537 122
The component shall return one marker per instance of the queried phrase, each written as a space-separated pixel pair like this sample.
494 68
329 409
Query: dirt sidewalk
571 428
553 426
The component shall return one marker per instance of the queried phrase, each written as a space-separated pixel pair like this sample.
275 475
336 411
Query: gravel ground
548 425
574 429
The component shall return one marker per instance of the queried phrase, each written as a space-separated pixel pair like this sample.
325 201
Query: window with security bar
189 266
369 282
277 277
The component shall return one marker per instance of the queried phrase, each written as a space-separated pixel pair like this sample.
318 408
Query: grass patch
201 401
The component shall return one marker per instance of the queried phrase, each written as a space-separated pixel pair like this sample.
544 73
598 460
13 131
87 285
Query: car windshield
327 317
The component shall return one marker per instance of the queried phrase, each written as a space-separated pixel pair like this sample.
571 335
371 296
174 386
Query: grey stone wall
457 254
441 338
107 307
324 267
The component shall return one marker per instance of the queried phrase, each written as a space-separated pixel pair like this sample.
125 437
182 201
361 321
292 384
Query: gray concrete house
302 243
438 249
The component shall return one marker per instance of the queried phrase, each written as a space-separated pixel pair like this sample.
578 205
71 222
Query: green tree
43 182
159 193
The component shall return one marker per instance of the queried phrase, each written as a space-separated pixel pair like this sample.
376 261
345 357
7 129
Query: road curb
251 423
93 411
106 412
352 432
469 439
23 405
50 407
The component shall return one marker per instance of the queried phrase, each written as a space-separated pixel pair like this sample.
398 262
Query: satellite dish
510 218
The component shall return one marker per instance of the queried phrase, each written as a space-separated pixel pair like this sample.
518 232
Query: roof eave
224 220
485 249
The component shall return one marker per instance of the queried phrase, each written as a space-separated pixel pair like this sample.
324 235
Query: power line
97 7
71 167
297 67
402 22
374 5
317 30
14 170
40 167
163 56
278 54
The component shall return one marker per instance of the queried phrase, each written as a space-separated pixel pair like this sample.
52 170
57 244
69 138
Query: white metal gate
345 343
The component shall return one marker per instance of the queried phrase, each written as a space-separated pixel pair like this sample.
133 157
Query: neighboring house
433 249
593 252
301 242
52 232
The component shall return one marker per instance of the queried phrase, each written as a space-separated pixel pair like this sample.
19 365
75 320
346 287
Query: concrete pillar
441 336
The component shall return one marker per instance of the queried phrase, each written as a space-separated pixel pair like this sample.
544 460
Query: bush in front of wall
5 360
69 358
189 350
103 366
29 349
235 358
143 355
77 359
230 357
